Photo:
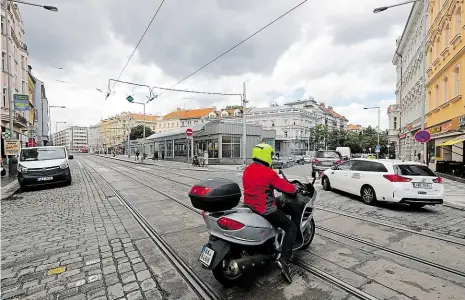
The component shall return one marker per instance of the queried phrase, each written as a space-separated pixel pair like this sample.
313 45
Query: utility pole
423 155
244 125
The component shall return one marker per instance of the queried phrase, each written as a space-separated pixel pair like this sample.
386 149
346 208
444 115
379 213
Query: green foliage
138 132
356 141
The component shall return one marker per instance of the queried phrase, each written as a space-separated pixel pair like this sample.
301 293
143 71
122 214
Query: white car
43 165
386 180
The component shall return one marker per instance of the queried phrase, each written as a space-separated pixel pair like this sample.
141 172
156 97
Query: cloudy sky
337 51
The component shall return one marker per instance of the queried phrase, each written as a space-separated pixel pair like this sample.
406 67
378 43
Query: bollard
14 166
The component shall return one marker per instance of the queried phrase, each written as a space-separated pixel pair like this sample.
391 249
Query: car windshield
42 154
413 170
325 154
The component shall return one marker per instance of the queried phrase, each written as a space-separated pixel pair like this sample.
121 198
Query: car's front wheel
368 195
325 183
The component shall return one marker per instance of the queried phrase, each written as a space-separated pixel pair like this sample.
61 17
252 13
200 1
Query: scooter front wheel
224 275
309 233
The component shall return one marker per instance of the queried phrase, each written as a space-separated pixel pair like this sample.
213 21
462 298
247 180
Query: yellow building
31 84
445 81
114 130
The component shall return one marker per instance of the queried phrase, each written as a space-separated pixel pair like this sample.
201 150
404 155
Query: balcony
18 119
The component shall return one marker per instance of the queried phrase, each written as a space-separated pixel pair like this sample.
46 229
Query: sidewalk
79 242
176 164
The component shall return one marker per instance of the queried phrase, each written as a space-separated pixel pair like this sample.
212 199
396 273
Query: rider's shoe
285 269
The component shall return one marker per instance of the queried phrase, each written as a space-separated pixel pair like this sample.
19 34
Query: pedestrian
163 155
205 158
156 155
137 154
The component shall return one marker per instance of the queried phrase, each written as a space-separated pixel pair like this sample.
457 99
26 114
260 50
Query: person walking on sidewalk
163 155
205 158
137 154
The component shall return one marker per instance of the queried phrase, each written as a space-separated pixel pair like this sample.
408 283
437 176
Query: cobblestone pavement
383 275
79 242
439 219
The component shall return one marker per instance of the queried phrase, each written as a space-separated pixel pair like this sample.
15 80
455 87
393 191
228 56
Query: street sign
189 132
11 147
21 102
422 136
130 98
377 148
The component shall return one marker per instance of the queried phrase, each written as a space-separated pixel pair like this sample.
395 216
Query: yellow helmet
263 153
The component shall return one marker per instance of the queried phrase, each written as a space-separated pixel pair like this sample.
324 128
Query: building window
395 122
3 25
458 20
231 147
457 81
445 96
23 88
3 61
436 96
446 36
429 102
4 98
285 133
22 62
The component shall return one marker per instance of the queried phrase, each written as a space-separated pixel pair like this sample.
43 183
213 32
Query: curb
10 189
181 168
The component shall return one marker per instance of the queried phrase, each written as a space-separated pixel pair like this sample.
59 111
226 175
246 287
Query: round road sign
422 136
189 132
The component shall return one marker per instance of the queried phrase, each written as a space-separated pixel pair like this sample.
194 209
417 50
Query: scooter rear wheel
220 272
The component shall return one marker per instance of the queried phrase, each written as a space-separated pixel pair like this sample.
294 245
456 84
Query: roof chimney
178 109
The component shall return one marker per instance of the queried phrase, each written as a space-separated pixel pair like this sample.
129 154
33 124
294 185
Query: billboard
21 102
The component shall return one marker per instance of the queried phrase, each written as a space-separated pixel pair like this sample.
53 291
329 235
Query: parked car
298 159
43 165
386 180
325 159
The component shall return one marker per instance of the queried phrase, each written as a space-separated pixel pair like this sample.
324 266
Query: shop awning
453 141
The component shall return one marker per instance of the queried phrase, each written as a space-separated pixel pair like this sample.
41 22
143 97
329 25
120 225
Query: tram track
328 230
203 290
341 213
341 284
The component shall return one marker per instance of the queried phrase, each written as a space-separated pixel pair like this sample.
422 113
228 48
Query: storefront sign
11 147
21 102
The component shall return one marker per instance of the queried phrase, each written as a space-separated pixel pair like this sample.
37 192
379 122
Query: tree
138 132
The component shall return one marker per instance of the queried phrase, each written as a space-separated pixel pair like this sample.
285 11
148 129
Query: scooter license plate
206 256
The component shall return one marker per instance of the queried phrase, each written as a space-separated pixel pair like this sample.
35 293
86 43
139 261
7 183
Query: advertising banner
11 147
21 102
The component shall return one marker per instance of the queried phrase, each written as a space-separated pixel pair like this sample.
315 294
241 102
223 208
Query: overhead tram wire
237 45
135 48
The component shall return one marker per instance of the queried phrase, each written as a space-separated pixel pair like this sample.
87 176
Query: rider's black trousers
280 219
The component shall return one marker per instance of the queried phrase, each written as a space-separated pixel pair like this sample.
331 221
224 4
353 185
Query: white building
74 138
41 126
294 123
18 58
94 142
404 116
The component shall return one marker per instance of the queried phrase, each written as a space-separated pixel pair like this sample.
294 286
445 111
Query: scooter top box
216 194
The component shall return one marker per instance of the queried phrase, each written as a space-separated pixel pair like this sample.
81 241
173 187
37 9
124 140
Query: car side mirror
70 156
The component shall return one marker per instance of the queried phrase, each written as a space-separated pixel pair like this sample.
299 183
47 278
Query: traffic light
130 99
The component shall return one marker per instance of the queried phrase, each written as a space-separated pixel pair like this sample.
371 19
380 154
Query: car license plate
44 178
206 256
327 163
422 185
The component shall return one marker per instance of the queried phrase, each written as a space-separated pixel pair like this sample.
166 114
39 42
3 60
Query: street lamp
8 64
379 117
423 78
383 8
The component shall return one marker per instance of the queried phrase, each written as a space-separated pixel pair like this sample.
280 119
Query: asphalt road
107 255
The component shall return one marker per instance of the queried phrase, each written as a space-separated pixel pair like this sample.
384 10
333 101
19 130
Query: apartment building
18 60
74 138
405 115
445 104
294 123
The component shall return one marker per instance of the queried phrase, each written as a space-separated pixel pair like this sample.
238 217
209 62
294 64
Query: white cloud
342 68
